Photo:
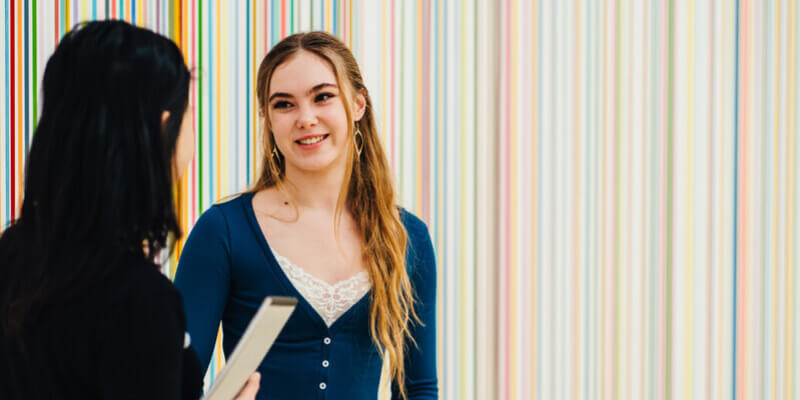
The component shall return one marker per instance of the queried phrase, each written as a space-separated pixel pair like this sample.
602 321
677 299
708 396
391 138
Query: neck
317 190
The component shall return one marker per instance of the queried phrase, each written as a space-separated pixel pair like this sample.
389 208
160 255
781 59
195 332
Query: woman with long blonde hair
320 224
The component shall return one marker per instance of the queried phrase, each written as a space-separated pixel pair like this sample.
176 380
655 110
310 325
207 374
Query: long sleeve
141 354
203 279
420 361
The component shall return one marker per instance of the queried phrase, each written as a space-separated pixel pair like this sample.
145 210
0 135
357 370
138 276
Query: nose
306 118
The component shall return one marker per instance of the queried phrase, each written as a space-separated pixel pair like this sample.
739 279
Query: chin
315 165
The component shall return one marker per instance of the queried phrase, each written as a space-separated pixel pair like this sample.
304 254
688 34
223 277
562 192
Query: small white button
322 385
327 340
325 363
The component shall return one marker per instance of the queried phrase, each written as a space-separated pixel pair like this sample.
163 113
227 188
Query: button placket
326 352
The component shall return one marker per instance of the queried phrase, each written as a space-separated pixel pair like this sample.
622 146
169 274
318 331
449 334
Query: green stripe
35 71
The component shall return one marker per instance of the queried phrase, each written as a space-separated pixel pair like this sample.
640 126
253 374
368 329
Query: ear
359 105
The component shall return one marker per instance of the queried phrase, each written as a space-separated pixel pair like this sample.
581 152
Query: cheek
280 125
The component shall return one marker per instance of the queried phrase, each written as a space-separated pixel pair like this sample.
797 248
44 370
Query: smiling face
307 114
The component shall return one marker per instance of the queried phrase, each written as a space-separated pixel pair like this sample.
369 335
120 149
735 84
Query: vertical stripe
735 204
556 151
12 116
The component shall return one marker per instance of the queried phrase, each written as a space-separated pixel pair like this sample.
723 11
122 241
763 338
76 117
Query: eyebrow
312 90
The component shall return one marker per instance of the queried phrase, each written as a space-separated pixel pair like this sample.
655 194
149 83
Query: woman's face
307 114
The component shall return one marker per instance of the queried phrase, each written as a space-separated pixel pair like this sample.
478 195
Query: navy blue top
227 268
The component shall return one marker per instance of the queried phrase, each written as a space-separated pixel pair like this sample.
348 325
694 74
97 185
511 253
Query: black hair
98 179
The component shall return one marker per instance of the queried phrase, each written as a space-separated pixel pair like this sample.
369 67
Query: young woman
321 225
84 311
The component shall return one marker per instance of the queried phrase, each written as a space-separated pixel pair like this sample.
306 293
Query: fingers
250 388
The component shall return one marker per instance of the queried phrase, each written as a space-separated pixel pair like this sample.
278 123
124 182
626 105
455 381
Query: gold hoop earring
358 142
276 161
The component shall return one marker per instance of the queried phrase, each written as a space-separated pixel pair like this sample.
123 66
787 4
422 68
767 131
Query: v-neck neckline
247 199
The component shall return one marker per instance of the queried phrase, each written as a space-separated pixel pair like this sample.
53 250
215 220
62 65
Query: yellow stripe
327 21
789 361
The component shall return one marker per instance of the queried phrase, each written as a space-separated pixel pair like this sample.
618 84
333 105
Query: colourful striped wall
611 186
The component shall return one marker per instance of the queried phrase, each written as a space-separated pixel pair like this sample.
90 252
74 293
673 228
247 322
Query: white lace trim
330 301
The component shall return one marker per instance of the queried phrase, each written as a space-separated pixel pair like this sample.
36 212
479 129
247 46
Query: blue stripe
735 196
274 23
248 96
94 9
133 12
321 15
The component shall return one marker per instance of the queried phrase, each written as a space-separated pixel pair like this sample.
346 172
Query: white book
252 347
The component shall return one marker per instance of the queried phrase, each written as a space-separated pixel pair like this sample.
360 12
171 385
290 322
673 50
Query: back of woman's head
98 181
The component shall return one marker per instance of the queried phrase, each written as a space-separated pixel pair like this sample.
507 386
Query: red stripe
55 17
267 27
12 133
283 19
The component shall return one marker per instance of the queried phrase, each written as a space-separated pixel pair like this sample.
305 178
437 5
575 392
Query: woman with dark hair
84 310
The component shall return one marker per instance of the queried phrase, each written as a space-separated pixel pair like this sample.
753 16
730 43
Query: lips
311 139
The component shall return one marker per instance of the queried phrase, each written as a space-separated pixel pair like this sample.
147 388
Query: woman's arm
141 347
420 361
203 279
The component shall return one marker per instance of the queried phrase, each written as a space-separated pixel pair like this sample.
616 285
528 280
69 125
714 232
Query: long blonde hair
366 191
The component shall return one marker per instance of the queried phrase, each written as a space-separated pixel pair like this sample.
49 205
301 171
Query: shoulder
220 217
416 229
134 278
137 291
420 246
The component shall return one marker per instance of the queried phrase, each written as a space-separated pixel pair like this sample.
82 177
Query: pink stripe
194 120
425 120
